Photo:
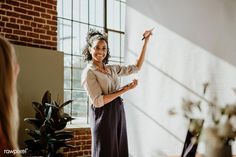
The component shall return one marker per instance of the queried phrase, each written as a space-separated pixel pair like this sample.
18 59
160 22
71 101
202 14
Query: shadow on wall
174 68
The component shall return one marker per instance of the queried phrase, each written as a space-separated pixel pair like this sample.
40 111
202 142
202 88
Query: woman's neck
99 64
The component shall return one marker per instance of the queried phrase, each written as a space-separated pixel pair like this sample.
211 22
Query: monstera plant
48 134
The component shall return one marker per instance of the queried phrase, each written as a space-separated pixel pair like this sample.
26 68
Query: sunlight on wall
174 68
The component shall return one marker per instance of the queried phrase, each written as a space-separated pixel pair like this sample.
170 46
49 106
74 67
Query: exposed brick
11 25
33 24
12 20
39 30
40 20
5 19
2 24
10 36
30 23
23 1
5 6
80 153
26 17
19 21
20 10
7 30
27 23
50 22
34 2
27 28
12 2
40 9
54 38
38 41
18 42
54 18
10 13
54 7
45 5
51 33
26 39
47 16
52 12
19 32
46 37
52 2
45 47
34 35
26 6
33 13
43 26
2 12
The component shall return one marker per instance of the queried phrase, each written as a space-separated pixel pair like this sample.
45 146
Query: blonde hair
9 116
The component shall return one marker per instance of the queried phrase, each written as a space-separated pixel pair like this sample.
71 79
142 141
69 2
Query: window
75 18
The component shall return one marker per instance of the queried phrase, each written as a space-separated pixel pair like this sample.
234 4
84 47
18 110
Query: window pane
79 108
83 35
64 39
122 46
76 38
96 12
123 7
76 10
67 78
66 13
113 15
67 60
84 11
114 43
77 78
59 8
67 96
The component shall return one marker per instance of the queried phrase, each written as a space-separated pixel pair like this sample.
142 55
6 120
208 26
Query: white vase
220 151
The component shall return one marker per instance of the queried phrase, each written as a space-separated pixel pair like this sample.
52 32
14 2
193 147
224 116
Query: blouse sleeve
123 70
93 89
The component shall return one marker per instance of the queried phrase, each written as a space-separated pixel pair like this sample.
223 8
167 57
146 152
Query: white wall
193 43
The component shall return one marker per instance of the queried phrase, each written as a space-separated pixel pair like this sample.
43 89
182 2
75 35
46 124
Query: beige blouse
98 84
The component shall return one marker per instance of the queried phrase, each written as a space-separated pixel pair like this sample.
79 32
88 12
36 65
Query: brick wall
82 142
29 22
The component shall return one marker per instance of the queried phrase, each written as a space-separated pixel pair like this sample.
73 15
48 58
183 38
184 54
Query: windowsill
74 126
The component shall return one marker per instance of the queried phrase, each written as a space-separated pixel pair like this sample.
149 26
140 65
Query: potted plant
49 122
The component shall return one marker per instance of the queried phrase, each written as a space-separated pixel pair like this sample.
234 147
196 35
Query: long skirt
108 127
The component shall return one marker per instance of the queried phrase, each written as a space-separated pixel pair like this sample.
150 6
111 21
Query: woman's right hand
131 85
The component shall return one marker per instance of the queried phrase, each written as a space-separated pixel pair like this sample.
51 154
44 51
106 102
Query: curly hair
92 36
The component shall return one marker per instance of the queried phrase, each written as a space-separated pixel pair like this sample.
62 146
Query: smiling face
98 50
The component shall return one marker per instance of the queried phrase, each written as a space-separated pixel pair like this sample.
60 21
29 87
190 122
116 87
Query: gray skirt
108 128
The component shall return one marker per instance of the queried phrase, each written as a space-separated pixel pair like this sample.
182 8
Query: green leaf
39 109
65 103
49 114
34 121
47 97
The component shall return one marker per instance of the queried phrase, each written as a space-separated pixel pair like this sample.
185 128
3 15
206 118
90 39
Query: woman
101 81
9 118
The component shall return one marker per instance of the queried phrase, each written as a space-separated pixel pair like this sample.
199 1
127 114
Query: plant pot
218 151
